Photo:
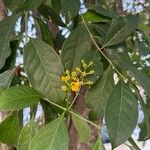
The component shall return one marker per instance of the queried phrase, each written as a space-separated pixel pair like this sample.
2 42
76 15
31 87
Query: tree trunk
81 108
2 11
120 8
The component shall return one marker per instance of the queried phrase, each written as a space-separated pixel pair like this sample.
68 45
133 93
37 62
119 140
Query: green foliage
45 33
70 8
10 98
10 129
91 16
51 136
141 78
13 4
104 12
44 77
6 78
120 29
82 128
32 5
142 43
49 111
95 57
99 94
75 47
144 126
6 30
123 105
16 5
144 28
98 145
109 41
26 135
50 13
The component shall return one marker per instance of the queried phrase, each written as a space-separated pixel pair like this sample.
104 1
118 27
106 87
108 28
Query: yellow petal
64 88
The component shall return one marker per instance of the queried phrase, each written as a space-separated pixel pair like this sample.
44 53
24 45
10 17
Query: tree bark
2 11
120 8
81 108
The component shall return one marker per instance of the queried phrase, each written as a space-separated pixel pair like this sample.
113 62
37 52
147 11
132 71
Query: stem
7 116
132 142
88 121
100 50
26 27
73 113
73 101
57 105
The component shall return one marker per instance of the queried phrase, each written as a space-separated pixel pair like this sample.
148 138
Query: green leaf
44 68
104 12
82 128
52 136
121 114
143 47
145 125
99 94
133 143
75 47
1 90
144 28
95 57
49 112
18 97
6 78
126 63
100 30
120 29
91 16
26 135
70 7
11 60
9 129
141 78
45 32
56 5
49 12
6 31
32 5
98 145
13 4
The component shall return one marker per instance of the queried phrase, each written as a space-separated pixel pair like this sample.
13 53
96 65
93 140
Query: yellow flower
75 86
64 88
67 72
74 74
91 72
84 74
73 80
91 63
63 78
89 82
67 78
84 64
78 69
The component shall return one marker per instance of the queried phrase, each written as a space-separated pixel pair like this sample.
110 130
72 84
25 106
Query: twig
100 50
73 113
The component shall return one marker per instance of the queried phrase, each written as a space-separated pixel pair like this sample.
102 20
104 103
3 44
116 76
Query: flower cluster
75 79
